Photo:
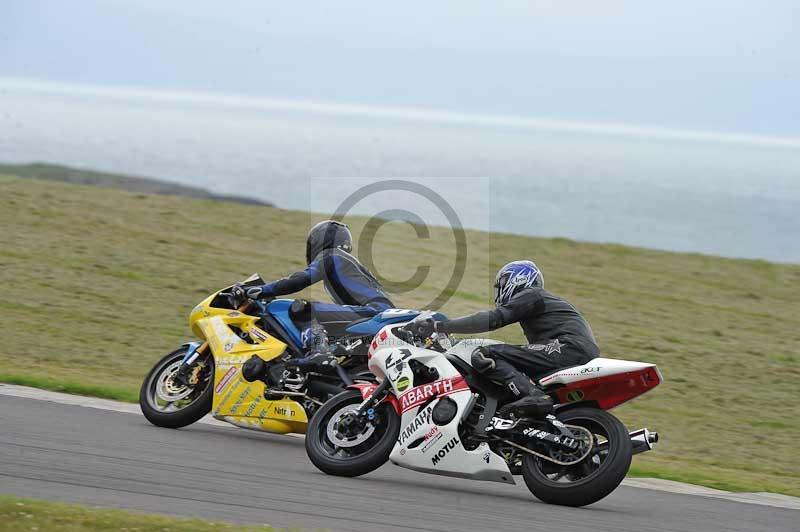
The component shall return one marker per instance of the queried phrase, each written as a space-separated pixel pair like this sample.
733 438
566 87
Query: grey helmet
327 234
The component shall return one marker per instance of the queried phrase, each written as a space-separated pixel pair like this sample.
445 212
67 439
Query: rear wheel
340 444
166 403
594 477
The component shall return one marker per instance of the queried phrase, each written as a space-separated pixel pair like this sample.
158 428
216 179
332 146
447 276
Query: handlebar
408 331
431 342
242 304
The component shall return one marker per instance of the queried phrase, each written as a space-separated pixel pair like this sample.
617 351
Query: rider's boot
532 401
529 399
316 361
318 351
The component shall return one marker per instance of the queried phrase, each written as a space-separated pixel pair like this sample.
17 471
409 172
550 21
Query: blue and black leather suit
355 291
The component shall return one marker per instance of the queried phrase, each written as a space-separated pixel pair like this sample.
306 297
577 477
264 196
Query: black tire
199 405
603 478
372 454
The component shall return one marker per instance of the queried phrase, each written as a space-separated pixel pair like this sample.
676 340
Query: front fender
366 390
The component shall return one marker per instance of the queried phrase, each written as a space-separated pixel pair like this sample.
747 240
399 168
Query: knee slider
481 362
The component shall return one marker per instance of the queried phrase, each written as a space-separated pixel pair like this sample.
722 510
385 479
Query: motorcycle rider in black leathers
355 291
557 333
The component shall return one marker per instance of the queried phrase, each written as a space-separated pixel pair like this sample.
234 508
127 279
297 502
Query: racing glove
424 328
251 292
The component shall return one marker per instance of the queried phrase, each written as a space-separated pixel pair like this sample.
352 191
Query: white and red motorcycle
432 413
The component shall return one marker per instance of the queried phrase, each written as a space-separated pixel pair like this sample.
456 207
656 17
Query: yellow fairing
237 401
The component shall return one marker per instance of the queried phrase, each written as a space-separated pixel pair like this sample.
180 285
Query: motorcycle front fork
374 399
194 350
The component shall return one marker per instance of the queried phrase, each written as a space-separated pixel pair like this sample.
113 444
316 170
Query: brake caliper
194 376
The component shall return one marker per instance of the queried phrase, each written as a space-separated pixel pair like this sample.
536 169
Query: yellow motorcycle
209 376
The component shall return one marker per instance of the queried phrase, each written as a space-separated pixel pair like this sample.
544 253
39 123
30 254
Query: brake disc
340 440
166 387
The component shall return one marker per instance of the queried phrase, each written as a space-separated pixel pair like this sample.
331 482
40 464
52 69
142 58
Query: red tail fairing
611 390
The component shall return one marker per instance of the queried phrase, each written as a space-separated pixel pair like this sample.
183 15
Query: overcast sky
717 65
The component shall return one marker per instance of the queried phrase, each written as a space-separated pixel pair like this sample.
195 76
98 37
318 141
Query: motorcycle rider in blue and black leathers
355 291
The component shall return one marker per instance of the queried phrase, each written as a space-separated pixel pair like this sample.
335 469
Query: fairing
423 445
604 381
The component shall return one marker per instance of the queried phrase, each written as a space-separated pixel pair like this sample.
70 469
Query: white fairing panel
598 367
422 445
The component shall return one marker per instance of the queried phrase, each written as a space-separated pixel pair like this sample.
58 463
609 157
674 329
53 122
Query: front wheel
166 403
594 477
339 444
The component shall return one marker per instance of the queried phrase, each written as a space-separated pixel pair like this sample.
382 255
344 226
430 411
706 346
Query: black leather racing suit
558 335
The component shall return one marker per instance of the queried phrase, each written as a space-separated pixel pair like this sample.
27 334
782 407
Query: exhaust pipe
643 440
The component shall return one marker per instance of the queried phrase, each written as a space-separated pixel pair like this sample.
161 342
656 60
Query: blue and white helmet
516 276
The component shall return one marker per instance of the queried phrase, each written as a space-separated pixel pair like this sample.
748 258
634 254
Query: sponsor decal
225 380
418 395
367 390
550 348
252 407
228 347
403 383
234 314
535 433
595 369
372 348
397 364
430 442
575 395
546 436
444 451
283 411
225 398
423 418
554 347
258 334
486 456
240 400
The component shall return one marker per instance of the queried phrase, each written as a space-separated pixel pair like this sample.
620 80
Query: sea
730 195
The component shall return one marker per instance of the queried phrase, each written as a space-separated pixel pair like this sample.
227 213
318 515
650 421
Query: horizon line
393 112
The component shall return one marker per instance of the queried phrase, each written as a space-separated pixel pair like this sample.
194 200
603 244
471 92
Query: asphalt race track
76 454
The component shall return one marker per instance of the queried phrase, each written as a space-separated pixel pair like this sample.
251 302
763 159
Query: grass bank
98 283
18 515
